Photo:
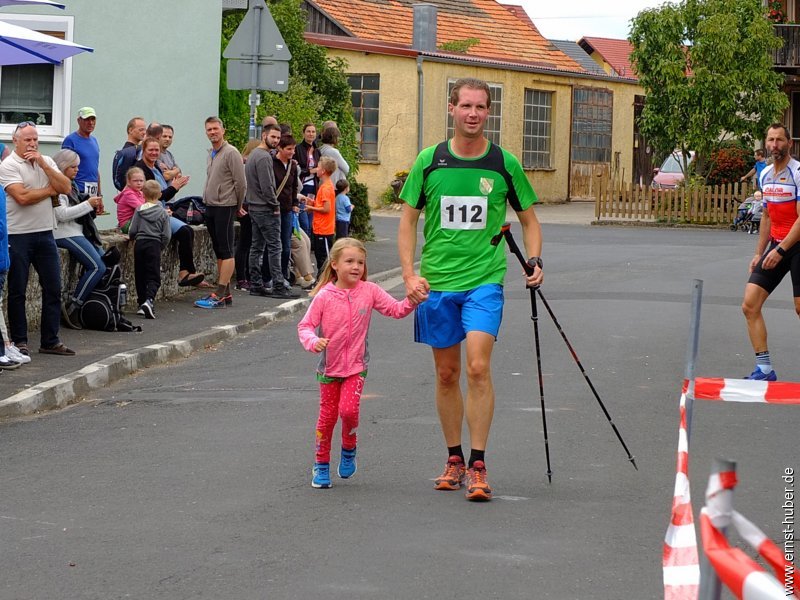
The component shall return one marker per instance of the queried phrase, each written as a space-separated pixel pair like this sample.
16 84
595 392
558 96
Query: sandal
59 349
191 280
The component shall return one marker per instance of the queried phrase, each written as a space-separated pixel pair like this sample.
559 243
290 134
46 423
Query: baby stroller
753 223
741 219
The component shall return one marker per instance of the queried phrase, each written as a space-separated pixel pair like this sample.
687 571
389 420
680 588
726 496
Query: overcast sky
578 18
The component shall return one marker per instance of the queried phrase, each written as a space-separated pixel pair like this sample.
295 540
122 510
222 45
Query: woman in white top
74 227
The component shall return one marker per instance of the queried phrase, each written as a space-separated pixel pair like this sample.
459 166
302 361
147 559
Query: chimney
424 27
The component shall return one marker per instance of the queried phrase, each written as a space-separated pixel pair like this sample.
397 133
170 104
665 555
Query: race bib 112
464 212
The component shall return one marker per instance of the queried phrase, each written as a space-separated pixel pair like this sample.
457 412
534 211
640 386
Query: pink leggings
340 397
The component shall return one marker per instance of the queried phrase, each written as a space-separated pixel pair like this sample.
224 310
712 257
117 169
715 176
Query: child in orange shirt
324 207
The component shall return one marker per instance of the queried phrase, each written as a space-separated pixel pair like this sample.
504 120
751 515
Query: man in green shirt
463 185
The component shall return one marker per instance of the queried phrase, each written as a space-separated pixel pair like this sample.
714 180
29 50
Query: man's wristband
535 261
780 250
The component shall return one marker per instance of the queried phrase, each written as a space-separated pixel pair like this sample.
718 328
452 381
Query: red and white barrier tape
679 561
741 574
745 390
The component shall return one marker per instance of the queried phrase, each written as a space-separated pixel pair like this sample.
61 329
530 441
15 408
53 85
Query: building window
365 94
592 116
41 92
493 122
537 128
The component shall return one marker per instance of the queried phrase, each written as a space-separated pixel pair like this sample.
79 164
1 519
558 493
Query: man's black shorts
219 222
770 278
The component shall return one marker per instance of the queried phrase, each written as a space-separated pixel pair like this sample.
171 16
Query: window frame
497 105
358 115
549 124
591 112
62 75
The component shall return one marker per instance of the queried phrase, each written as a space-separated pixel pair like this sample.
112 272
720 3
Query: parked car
669 175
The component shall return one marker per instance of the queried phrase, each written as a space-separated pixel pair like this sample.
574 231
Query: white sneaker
13 353
7 364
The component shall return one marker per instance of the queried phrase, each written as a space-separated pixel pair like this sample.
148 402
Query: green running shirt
464 200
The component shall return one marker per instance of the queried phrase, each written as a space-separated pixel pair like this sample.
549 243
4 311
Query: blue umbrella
21 46
30 3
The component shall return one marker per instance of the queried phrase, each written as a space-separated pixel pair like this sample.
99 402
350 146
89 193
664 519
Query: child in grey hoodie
151 231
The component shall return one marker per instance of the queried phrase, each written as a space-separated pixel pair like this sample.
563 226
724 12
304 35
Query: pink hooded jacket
128 200
343 316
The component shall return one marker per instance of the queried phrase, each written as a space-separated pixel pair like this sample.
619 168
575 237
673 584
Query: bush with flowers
775 12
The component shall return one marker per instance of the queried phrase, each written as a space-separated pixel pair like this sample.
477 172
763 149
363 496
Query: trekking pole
505 231
535 319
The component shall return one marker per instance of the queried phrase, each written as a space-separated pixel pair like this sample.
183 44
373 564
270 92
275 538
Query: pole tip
633 462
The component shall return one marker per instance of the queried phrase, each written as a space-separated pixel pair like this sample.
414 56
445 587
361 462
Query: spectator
245 239
330 140
325 212
223 194
301 259
307 156
343 209
30 181
167 161
130 198
86 146
761 162
150 231
77 233
182 233
286 172
127 156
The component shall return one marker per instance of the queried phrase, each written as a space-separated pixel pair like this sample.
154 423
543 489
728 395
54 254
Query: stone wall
70 271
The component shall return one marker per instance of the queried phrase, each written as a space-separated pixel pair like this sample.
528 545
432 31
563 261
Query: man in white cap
85 145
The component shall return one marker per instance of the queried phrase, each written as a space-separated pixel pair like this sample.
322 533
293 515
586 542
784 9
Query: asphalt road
193 480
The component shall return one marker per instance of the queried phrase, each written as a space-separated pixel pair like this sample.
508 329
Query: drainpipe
569 151
420 100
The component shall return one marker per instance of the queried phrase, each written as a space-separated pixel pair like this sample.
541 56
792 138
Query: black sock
475 455
455 451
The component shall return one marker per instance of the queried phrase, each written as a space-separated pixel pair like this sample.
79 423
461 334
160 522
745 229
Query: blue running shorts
444 319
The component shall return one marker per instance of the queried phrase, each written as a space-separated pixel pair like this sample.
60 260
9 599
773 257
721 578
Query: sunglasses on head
25 124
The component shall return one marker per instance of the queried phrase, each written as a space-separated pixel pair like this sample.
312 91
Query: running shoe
242 284
347 464
759 375
13 353
453 476
478 489
321 475
212 301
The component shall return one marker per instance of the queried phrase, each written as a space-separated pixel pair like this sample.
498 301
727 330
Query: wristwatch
780 250
535 261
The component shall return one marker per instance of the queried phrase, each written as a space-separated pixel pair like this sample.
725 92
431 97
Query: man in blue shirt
85 145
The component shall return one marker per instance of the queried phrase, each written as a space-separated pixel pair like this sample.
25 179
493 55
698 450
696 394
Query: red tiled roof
615 52
519 12
502 35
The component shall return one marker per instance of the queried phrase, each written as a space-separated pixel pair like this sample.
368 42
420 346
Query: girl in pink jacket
130 198
336 326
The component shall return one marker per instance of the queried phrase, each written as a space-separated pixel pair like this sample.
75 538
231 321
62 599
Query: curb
68 389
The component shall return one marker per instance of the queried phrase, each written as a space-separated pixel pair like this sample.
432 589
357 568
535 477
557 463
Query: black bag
103 308
189 209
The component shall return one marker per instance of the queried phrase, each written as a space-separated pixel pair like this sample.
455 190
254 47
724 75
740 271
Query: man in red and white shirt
777 250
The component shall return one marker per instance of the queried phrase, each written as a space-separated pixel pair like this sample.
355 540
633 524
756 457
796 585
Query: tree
706 68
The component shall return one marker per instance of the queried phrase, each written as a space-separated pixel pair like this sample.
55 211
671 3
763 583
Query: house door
590 157
642 153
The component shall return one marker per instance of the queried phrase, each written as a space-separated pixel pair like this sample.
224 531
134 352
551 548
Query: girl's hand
321 344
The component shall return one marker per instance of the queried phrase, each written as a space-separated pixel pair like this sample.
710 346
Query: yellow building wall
397 130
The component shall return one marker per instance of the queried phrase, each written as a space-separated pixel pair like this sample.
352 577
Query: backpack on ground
102 310
189 209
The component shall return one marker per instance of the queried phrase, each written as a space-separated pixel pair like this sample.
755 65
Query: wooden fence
709 205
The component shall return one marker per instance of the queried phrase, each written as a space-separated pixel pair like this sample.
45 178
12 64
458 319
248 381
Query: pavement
53 382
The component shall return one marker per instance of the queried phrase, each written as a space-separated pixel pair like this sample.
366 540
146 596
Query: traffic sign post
258 58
